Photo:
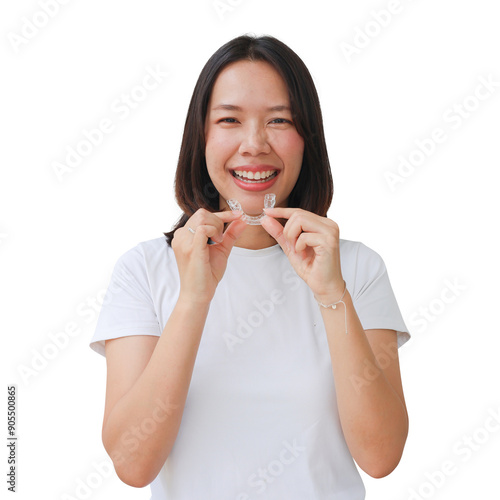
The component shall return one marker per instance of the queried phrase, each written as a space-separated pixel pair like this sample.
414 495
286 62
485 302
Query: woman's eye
281 120
278 121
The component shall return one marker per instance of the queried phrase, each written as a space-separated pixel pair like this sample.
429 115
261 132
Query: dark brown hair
314 188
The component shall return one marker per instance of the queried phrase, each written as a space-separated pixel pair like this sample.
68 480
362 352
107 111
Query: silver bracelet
334 304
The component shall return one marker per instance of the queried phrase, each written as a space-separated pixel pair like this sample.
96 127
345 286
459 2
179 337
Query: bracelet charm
334 304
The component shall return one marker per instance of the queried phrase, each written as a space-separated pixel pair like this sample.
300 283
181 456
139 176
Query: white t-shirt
261 418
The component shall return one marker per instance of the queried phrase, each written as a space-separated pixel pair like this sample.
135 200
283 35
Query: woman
252 361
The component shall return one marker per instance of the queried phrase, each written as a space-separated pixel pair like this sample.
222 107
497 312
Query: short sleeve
128 307
373 297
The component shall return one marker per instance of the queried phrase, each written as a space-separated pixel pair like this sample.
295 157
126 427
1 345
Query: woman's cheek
223 141
292 145
215 146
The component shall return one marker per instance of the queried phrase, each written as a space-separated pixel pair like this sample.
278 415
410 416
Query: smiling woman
226 346
263 128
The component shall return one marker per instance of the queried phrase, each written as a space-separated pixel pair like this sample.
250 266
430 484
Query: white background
59 239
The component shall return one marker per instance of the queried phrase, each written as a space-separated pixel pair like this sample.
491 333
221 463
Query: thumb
232 233
275 229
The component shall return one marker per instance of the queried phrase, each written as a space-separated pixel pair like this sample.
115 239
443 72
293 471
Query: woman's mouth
255 181
256 177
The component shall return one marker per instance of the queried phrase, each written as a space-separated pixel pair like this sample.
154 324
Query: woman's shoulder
155 246
358 251
360 262
147 253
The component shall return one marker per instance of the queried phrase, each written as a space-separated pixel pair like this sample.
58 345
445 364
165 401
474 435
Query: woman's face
249 129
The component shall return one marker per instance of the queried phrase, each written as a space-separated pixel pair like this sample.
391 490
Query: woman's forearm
373 419
142 427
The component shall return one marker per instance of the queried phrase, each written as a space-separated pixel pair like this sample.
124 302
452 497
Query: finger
232 233
222 219
298 221
304 222
309 240
281 212
275 229
208 231
272 226
214 239
217 219
199 237
228 215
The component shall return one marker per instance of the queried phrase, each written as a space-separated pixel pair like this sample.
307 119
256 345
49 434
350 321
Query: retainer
253 220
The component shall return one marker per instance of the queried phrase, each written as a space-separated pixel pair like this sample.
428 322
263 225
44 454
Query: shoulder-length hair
313 190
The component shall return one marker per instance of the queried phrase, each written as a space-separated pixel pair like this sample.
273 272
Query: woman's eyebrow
232 107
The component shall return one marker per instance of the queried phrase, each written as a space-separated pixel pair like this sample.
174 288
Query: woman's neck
255 238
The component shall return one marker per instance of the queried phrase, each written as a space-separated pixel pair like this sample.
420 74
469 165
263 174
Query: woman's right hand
201 266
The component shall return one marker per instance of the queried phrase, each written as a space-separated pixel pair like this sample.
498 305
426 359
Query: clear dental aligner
269 201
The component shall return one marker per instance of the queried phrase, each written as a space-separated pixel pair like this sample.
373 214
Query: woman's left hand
311 243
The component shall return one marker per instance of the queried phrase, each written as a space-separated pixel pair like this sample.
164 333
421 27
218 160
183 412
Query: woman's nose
254 142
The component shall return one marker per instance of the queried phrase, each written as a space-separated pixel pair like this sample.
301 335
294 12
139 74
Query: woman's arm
370 398
147 383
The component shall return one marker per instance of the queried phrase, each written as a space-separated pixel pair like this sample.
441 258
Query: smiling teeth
243 174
